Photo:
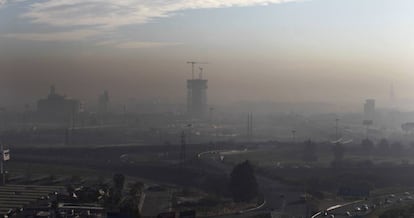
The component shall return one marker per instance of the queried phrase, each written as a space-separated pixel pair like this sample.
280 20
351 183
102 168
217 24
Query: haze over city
206 108
272 51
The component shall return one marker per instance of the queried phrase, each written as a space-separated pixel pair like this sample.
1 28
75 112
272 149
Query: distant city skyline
332 51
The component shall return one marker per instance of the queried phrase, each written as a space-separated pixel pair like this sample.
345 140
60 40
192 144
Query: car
365 207
406 193
357 209
392 196
348 213
409 198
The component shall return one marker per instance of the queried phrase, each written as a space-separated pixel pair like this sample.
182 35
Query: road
278 196
372 204
156 202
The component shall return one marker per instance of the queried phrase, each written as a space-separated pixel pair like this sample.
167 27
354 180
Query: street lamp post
336 128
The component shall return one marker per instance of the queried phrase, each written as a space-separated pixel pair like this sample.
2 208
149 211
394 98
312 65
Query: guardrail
336 207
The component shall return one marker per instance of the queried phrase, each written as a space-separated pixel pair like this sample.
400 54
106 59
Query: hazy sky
264 50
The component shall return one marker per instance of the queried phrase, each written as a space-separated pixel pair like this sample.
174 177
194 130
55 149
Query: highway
278 196
367 206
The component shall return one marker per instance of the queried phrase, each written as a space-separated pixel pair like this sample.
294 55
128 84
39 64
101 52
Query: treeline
367 148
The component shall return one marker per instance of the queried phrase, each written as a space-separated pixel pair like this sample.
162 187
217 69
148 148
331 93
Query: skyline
278 51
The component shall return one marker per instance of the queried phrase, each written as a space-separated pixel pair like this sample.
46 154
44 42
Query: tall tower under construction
197 97
197 93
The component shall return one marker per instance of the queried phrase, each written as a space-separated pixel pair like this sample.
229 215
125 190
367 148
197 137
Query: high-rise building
369 110
197 97
57 107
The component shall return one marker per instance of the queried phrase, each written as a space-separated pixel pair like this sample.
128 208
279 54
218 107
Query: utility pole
336 128
183 147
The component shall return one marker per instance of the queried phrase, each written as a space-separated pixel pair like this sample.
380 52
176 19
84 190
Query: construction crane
192 66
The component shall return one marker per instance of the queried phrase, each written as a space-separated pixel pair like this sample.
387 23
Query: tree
243 184
129 207
119 181
112 198
136 189
309 152
115 192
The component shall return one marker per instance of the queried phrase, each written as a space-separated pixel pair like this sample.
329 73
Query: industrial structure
197 93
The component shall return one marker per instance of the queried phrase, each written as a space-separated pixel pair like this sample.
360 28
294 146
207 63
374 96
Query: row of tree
367 147
113 196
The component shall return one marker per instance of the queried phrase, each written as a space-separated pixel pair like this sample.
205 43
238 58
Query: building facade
197 98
